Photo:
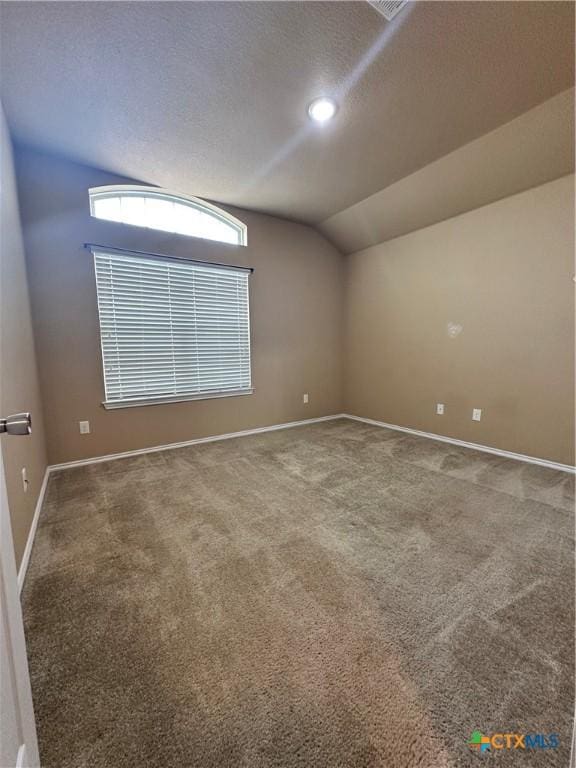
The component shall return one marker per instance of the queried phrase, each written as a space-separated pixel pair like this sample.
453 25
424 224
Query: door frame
16 678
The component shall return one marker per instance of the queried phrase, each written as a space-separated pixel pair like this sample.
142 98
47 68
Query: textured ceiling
210 98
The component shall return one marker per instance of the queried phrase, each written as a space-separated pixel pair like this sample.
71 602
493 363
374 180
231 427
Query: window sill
114 404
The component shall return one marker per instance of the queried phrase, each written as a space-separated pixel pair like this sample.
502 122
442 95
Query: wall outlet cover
440 409
305 398
84 427
476 414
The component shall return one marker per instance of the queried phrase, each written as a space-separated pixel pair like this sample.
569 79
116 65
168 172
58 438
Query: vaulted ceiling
209 98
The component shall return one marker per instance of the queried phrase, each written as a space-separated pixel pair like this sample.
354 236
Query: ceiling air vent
388 8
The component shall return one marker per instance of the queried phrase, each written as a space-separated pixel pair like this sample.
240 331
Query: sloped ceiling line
533 149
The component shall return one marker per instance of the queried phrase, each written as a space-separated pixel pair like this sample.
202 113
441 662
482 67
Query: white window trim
111 406
116 190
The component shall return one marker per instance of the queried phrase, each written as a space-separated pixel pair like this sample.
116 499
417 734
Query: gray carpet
330 596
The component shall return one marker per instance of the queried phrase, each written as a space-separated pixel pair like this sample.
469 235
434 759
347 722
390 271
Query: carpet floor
329 596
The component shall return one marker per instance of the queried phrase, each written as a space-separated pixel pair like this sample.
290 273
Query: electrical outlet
84 427
440 409
305 398
476 414
24 479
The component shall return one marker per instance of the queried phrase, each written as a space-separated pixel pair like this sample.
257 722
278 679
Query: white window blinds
171 329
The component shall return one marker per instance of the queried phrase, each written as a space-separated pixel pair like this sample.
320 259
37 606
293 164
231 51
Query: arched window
156 208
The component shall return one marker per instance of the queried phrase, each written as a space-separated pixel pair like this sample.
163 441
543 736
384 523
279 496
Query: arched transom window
156 208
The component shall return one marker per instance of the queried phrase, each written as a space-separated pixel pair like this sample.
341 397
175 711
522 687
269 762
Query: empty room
287 384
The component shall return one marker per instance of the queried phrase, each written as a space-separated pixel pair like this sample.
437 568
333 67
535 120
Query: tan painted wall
18 381
296 316
504 272
531 150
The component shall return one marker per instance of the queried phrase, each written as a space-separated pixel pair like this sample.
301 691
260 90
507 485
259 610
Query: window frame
196 203
165 399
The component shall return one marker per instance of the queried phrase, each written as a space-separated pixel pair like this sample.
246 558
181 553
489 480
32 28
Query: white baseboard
32 532
197 441
464 444
288 425
573 745
21 757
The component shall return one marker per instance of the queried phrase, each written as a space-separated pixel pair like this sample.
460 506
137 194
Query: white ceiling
209 98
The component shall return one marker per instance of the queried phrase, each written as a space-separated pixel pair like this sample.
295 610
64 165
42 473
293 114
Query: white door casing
18 743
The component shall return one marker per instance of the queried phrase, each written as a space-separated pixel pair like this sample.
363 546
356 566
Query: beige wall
536 147
504 272
19 382
296 316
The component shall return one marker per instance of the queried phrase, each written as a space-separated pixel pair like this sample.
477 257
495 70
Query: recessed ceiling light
322 110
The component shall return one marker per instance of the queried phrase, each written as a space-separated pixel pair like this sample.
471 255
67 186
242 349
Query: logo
478 742
527 741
